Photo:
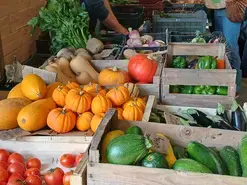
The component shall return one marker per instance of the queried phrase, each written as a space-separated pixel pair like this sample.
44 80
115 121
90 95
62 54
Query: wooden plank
99 65
148 109
107 174
1 63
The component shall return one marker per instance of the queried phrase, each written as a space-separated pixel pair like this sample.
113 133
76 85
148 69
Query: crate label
160 142
171 119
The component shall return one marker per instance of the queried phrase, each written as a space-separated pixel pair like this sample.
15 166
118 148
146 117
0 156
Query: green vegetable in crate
190 165
242 150
207 62
180 152
186 89
128 149
198 38
222 90
200 117
155 160
207 157
175 88
204 89
157 116
179 62
134 130
231 158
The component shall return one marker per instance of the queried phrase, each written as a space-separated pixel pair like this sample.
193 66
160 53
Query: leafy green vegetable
66 21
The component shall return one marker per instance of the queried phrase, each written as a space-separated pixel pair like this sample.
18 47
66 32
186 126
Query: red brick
19 19
8 59
27 50
12 6
4 26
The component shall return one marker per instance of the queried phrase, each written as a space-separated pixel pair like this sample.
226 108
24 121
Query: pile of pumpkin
32 105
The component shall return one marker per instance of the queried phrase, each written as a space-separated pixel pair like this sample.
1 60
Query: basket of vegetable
197 75
165 154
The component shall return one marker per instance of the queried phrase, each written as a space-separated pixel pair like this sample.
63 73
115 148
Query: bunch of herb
66 21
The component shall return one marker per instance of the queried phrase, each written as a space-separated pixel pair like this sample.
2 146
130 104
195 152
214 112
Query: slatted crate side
109 174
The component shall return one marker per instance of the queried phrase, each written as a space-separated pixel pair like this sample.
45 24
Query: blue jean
231 31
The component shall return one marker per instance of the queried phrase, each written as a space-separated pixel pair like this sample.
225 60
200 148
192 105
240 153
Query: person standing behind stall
101 10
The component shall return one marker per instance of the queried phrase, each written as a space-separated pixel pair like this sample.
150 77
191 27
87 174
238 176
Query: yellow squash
16 92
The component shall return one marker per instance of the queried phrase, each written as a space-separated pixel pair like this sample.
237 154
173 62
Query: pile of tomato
15 171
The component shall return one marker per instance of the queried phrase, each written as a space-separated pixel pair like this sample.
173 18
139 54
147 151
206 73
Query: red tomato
54 176
32 171
3 183
15 157
4 155
33 163
16 182
4 165
16 176
78 159
4 175
34 180
17 168
67 160
66 178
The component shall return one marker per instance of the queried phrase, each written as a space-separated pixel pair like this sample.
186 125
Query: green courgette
242 150
180 152
155 160
134 130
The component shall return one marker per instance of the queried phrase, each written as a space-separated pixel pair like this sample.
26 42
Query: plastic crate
180 22
114 39
129 15
174 37
149 8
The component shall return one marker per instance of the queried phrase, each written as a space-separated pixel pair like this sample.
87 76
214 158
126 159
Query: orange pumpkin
72 85
113 76
51 88
100 104
94 89
33 87
61 120
133 89
138 101
59 95
84 120
96 120
78 100
132 113
118 95
120 113
145 98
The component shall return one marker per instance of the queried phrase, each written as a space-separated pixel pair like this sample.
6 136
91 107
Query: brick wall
15 34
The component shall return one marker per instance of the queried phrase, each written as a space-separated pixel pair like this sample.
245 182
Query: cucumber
128 149
231 158
190 165
242 150
155 160
180 152
207 157
134 130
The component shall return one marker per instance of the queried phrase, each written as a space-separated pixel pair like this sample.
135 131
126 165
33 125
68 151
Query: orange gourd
59 95
84 120
137 101
94 89
51 88
100 104
118 95
72 85
132 113
16 92
133 89
95 122
33 87
120 113
113 76
61 120
78 100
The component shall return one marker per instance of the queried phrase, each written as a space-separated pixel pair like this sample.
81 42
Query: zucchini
242 150
134 130
231 158
200 117
207 157
155 160
180 152
190 165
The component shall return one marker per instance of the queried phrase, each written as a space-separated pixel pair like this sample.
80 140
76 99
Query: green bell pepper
179 62
175 88
187 89
204 89
222 90
207 62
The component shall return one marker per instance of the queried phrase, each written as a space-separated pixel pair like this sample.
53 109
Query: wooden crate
152 103
109 174
214 77
145 89
49 149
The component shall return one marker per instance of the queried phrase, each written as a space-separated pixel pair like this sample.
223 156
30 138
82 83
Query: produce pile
117 149
195 117
14 170
32 105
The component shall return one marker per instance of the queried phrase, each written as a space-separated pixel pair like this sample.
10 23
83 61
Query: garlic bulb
235 10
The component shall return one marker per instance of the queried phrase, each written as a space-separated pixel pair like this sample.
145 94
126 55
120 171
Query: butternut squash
51 88
84 53
9 110
16 92
34 116
33 87
63 64
85 73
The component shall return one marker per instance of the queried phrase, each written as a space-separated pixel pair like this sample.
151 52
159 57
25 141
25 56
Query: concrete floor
243 94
